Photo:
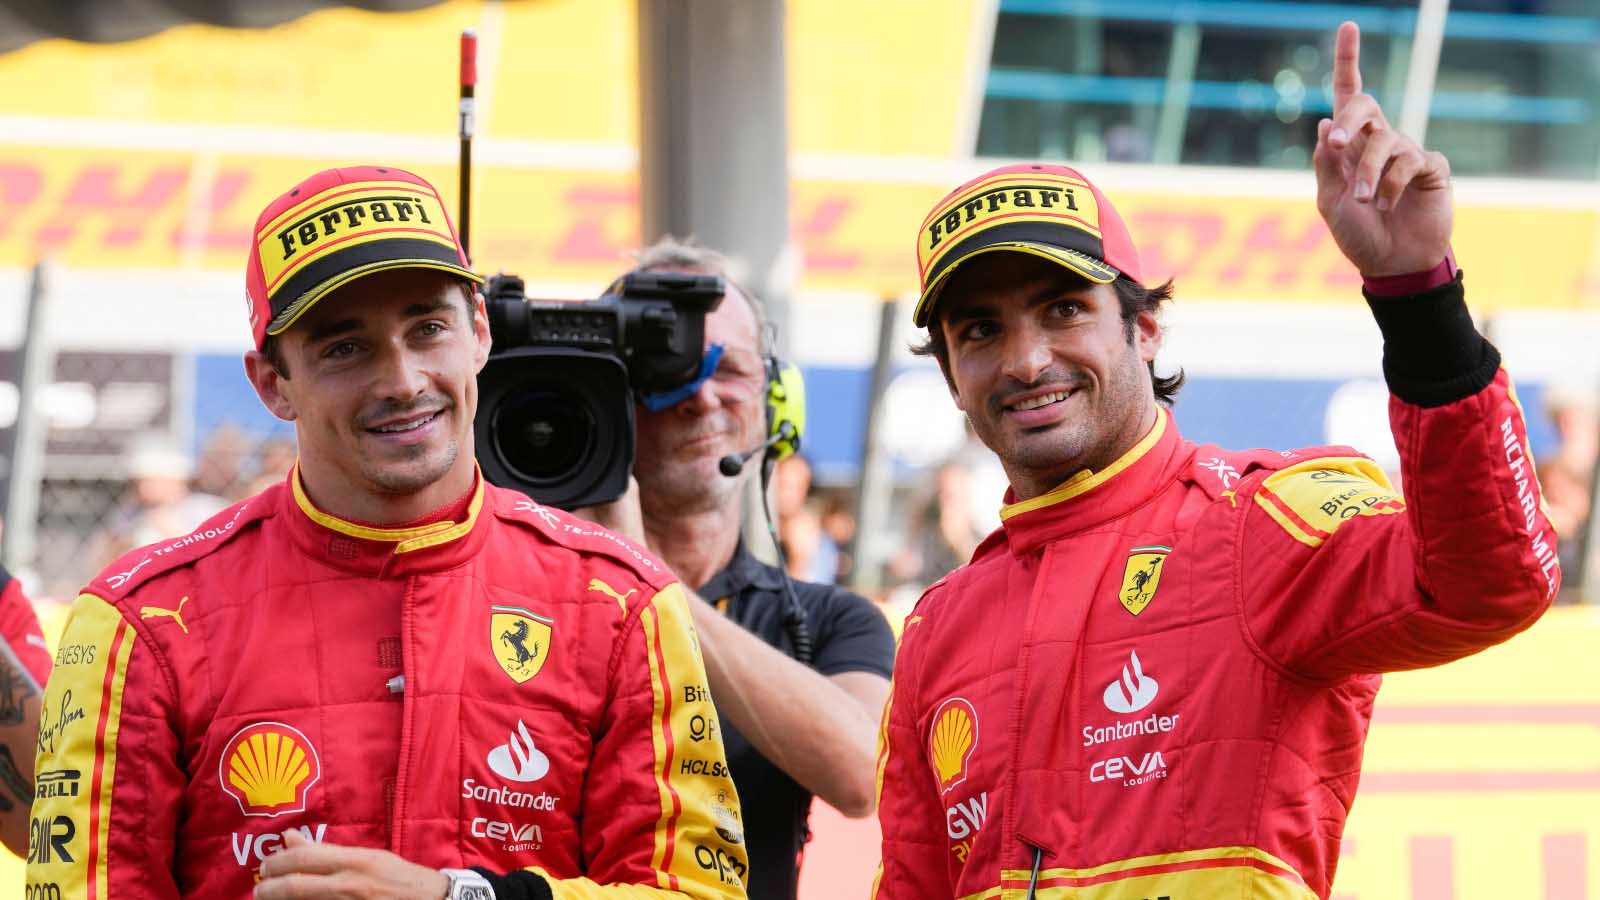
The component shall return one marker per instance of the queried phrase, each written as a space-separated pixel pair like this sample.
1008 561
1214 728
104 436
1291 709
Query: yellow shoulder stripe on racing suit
688 826
1202 874
883 764
1312 499
79 720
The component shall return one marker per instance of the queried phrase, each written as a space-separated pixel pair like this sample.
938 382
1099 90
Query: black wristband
1432 353
516 885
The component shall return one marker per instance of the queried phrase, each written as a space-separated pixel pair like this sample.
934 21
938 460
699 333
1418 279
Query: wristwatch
466 884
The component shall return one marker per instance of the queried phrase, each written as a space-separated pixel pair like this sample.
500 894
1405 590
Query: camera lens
555 423
543 434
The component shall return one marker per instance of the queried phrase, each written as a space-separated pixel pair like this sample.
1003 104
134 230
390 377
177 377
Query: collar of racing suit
1089 498
443 539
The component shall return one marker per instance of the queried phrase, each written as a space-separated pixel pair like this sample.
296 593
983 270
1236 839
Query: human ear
268 382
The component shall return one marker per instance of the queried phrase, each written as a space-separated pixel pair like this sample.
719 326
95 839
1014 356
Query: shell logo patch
269 767
952 741
520 641
1142 576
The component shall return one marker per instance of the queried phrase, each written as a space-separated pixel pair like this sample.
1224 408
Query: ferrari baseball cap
337 226
1048 211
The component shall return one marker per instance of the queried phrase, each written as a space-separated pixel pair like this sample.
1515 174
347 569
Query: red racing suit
506 687
19 628
1156 680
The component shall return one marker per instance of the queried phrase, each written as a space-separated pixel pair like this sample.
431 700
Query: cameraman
791 730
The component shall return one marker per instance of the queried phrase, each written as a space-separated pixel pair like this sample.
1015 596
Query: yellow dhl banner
100 208
1482 778
885 77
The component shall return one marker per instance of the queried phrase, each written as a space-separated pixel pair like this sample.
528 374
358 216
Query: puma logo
151 612
596 584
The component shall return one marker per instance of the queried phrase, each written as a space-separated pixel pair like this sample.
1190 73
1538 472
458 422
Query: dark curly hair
1134 297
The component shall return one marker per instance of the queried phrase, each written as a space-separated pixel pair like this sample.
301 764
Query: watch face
475 892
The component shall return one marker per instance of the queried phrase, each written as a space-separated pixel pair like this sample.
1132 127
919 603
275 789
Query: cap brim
1081 263
298 308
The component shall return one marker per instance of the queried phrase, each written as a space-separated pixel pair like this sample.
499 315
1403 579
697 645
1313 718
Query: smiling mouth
1039 401
402 427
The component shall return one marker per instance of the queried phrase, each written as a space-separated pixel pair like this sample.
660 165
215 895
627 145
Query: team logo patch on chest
519 640
269 767
951 742
1142 576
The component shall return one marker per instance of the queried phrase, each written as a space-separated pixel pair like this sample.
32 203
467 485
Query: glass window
1534 79
1226 83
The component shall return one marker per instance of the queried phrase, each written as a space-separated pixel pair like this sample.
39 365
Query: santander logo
519 759
1134 691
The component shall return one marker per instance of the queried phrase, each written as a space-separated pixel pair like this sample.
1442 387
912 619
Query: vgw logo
964 819
257 847
1134 691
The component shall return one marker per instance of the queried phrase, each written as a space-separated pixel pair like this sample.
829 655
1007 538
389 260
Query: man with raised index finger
1156 678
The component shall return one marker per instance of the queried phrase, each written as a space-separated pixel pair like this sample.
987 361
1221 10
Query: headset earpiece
786 407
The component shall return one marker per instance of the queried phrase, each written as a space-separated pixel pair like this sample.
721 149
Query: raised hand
1385 199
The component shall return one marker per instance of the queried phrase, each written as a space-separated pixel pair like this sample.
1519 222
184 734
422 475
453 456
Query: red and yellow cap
1048 211
339 225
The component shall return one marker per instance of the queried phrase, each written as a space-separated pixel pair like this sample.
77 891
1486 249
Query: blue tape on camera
666 399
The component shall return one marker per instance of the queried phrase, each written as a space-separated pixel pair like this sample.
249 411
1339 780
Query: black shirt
848 634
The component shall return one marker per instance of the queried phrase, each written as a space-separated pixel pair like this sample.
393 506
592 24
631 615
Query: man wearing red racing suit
382 677
1156 678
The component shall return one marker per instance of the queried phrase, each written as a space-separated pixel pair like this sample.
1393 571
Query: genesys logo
1134 691
519 759
513 836
79 654
269 768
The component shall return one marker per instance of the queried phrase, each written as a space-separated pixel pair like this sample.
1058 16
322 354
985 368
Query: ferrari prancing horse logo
520 641
1142 576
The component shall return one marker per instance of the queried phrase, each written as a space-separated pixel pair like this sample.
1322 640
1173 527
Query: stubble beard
423 467
1076 444
679 489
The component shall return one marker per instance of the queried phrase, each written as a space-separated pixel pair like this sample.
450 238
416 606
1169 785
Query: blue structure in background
1232 412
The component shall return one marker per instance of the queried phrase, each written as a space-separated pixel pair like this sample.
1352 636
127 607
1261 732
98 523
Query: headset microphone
734 463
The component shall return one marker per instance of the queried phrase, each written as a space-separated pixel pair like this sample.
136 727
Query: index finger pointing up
1346 65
